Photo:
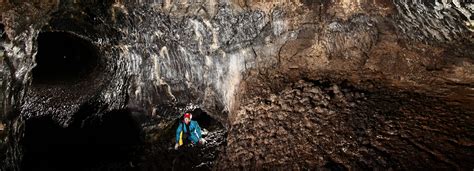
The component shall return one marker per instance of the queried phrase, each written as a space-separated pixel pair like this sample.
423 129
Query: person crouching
188 131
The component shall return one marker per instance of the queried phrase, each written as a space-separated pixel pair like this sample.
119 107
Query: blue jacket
195 131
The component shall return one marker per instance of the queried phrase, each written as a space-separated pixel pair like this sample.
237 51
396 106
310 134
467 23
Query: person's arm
178 132
197 130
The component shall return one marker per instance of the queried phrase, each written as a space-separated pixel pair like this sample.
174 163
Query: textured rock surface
332 124
297 83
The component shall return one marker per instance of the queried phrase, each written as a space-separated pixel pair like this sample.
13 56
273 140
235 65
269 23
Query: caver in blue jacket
193 135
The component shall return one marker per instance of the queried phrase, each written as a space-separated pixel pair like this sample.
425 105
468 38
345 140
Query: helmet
188 115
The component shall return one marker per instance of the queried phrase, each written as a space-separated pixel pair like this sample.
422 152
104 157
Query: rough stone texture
452 17
394 102
242 60
334 124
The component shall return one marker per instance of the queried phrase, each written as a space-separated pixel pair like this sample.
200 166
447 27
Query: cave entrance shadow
69 67
204 120
106 142
64 58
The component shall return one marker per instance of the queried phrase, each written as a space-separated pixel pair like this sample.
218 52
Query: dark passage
64 57
205 121
107 142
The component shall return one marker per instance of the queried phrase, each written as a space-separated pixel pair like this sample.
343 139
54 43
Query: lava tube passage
236 85
64 58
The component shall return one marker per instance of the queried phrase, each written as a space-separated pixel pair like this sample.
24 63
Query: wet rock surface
284 84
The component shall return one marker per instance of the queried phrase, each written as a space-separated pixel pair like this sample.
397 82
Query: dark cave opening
110 141
204 120
63 58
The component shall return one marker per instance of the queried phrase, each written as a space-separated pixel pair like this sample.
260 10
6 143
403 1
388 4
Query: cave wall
164 57
361 87
341 124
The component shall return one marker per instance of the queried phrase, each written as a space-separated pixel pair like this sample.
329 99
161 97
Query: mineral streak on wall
351 84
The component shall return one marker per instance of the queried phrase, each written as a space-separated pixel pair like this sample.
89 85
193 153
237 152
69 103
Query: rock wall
335 75
336 124
361 65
